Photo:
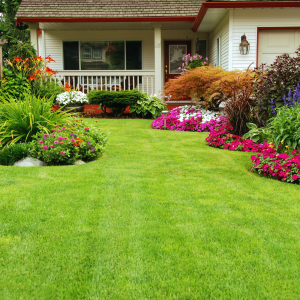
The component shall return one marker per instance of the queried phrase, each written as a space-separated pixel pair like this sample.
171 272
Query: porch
86 81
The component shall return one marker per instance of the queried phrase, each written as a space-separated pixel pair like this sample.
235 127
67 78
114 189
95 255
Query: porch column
157 56
34 35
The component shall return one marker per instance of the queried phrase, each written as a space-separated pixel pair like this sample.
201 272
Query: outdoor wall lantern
165 112
244 45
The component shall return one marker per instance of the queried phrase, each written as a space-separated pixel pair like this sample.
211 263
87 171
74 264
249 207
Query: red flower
49 58
50 71
32 77
17 58
67 87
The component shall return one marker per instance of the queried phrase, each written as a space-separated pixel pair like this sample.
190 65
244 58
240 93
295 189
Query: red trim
269 28
251 4
116 19
40 31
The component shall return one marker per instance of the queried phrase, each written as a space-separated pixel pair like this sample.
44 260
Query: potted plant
72 100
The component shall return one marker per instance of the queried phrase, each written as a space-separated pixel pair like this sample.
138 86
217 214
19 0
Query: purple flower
46 136
89 143
92 150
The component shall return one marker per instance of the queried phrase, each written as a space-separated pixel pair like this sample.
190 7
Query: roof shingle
107 8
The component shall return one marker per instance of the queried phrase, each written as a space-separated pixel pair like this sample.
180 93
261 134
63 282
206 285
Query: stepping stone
79 162
29 162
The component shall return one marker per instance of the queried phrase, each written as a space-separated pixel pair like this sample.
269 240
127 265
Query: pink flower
59 130
56 142
45 147
60 138
63 128
53 129
86 128
41 142
295 177
56 125
73 140
51 146
62 152
61 142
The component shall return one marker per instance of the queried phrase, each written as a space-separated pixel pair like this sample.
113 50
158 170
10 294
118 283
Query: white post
157 56
34 35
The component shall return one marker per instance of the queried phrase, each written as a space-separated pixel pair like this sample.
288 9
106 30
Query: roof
107 8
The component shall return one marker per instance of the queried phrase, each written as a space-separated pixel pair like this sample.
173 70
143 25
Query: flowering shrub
71 97
23 75
281 166
189 118
65 145
192 62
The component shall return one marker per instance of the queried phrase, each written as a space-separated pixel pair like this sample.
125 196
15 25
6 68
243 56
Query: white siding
247 20
221 31
40 45
54 39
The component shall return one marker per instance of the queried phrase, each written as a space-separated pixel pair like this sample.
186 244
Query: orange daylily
17 58
67 87
49 58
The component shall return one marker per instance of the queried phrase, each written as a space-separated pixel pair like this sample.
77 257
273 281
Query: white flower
71 98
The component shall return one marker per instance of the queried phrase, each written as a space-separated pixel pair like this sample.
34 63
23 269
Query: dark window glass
103 55
201 48
71 55
133 55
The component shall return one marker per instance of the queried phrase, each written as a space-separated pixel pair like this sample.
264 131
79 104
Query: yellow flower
282 141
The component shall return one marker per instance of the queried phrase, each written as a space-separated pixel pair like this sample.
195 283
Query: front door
174 52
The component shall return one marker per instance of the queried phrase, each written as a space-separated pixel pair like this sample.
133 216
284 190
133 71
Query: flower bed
188 118
281 166
222 138
65 145
267 162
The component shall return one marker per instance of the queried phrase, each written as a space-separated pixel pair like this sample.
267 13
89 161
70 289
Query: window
133 55
201 48
218 51
71 55
102 55
86 52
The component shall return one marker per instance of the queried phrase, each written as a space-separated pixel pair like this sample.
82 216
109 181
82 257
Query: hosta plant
148 107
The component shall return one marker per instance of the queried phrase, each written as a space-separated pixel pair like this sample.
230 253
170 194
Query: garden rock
29 162
79 162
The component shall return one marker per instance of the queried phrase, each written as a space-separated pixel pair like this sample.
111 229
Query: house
125 44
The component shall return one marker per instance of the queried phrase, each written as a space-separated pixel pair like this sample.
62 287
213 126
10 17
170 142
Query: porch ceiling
115 26
211 19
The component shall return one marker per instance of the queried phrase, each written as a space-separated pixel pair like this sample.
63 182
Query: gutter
113 19
240 4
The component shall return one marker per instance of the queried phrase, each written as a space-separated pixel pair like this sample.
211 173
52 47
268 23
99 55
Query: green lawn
159 216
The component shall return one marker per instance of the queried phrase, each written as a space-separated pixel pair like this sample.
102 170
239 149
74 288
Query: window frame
125 61
218 62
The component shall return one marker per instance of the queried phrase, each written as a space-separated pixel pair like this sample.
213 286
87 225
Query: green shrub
21 119
148 107
67 144
12 153
117 101
14 84
285 128
48 89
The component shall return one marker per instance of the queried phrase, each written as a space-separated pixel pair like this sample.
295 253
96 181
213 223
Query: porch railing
108 80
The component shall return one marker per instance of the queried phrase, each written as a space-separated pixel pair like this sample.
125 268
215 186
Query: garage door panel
273 43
